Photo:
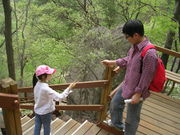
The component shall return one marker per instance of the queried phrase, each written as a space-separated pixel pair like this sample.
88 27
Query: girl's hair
36 78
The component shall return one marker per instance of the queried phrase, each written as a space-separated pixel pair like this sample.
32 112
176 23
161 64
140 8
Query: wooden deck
159 116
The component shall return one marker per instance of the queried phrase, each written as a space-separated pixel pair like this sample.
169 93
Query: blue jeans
44 120
133 114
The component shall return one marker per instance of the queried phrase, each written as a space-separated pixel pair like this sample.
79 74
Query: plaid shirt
136 81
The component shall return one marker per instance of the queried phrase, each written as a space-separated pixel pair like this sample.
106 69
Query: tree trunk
8 38
171 34
177 14
168 44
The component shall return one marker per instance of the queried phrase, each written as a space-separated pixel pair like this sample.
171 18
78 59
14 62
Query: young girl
44 98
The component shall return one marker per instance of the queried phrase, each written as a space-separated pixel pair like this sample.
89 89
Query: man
139 74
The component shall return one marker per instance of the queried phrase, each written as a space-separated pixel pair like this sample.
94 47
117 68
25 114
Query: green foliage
56 32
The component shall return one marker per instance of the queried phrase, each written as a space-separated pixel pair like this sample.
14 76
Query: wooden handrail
9 101
168 51
88 84
11 114
71 107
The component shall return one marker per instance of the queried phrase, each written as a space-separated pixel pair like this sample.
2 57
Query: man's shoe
108 122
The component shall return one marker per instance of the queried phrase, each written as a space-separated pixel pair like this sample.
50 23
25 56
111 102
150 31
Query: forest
74 36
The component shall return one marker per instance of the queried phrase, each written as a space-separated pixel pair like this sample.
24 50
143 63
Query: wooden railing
170 75
101 108
9 102
167 51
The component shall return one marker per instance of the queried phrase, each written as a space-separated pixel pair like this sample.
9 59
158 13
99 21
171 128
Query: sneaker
108 122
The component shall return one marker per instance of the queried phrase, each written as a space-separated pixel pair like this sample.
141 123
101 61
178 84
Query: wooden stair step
102 132
73 129
65 127
24 119
28 124
55 124
29 131
82 129
93 130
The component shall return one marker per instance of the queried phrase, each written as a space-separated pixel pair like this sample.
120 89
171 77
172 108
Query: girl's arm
60 96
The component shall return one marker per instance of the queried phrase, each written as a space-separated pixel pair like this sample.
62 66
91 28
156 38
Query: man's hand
117 69
136 98
109 62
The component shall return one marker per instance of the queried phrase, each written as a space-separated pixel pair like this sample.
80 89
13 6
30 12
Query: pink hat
44 69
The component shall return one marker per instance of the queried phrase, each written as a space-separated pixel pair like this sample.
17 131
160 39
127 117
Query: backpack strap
143 53
145 49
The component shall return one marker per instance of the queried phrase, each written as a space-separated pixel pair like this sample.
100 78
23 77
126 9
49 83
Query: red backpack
159 78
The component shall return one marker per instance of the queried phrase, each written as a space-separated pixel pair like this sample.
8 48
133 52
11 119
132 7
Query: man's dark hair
133 26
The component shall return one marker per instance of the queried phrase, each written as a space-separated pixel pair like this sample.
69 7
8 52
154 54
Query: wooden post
105 93
12 114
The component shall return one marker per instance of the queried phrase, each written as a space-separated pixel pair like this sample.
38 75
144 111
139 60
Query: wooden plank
154 128
103 132
105 93
12 101
87 84
168 108
29 131
80 107
174 115
28 124
150 107
64 129
16 111
73 129
71 107
11 113
109 128
168 51
93 130
9 119
143 129
81 130
177 101
139 133
172 79
24 119
173 73
157 115
160 124
147 131
55 124
148 128
164 100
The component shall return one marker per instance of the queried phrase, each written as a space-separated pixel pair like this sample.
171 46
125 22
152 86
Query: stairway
60 127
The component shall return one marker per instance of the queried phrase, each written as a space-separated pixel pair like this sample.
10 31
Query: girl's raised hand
72 85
